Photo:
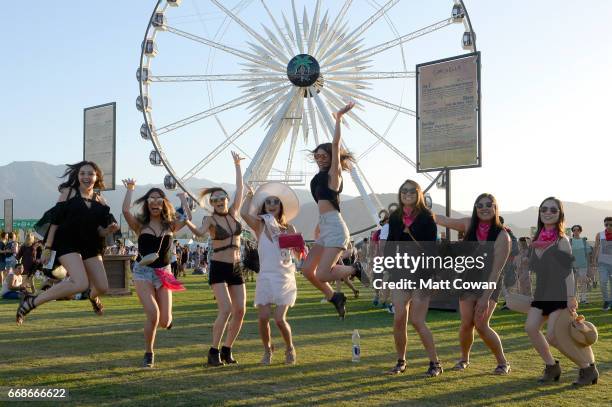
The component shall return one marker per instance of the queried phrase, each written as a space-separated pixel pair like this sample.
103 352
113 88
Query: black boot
148 359
213 358
226 355
339 301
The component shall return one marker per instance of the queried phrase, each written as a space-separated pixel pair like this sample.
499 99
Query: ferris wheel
263 77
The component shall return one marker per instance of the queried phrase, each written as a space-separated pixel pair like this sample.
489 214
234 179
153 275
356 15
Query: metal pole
448 199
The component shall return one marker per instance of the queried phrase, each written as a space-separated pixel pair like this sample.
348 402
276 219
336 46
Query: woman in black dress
551 261
412 222
79 223
477 306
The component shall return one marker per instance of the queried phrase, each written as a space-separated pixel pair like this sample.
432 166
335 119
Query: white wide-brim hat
290 201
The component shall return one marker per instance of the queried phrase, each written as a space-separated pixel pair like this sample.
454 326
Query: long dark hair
560 223
168 214
346 158
281 216
496 225
419 206
72 172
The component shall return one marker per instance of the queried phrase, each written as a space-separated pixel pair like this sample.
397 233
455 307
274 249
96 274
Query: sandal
461 365
356 294
26 304
97 306
502 369
400 367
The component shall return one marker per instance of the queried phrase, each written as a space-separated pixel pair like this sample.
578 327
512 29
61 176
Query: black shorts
548 307
222 272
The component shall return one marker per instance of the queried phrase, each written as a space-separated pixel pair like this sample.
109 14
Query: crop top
319 188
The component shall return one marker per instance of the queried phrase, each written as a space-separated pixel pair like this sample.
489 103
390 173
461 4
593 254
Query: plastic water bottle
356 346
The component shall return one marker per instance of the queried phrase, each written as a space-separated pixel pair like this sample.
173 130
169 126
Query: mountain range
33 187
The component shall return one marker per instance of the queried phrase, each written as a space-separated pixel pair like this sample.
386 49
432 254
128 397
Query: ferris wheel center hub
303 70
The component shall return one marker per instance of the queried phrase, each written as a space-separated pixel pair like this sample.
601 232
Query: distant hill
33 186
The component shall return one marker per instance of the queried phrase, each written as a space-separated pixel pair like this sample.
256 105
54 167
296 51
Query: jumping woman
267 212
154 223
80 221
225 275
477 306
331 232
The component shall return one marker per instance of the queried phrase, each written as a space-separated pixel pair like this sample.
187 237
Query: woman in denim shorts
320 267
154 224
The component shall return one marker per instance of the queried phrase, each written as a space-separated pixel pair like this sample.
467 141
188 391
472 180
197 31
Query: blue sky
545 77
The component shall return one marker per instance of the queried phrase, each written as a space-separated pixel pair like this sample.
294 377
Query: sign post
99 139
8 215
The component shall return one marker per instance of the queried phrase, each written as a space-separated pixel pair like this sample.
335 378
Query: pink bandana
546 238
168 280
483 231
408 218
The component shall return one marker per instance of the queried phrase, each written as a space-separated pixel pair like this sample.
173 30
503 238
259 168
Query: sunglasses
407 191
608 224
481 205
552 209
218 198
320 156
272 201
155 200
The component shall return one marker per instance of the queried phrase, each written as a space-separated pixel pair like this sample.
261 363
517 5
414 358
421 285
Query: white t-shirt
384 232
5 284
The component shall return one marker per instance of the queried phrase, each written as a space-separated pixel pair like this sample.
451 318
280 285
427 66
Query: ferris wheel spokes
236 77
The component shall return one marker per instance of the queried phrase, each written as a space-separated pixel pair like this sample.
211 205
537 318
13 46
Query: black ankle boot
148 359
339 301
226 355
213 358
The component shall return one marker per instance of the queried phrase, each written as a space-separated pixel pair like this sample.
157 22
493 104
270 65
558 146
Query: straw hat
290 201
574 337
517 302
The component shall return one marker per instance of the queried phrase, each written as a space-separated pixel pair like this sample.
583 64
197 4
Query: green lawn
65 345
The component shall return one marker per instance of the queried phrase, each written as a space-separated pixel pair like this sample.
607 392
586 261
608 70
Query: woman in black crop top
551 261
79 222
225 273
154 223
476 306
320 267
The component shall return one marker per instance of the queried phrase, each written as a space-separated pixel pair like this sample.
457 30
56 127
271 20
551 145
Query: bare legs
265 312
231 302
157 305
320 268
415 310
486 333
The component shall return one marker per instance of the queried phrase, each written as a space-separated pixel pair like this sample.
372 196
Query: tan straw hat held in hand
574 337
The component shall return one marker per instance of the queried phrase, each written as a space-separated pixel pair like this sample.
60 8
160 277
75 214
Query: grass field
65 345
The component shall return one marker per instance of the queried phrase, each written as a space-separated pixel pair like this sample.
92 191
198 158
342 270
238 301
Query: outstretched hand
130 183
236 158
338 115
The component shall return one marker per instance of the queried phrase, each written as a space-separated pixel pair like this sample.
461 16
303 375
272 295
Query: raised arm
134 224
179 224
253 221
336 169
239 184
458 224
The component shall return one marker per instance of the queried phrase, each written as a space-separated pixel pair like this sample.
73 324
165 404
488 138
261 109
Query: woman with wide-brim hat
268 212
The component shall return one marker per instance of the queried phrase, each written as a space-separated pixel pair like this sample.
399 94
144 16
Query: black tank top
319 188
148 243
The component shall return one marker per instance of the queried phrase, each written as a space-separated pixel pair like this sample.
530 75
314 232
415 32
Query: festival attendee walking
79 222
476 306
412 222
155 224
268 212
27 256
331 233
225 274
582 253
521 264
602 253
551 261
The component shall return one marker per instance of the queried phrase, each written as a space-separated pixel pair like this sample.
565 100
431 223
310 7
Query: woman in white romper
267 213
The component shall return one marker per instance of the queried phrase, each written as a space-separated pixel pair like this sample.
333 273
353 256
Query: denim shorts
10 262
333 231
146 273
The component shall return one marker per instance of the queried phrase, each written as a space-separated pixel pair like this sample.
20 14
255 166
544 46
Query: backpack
250 258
